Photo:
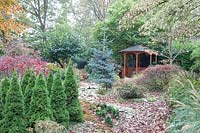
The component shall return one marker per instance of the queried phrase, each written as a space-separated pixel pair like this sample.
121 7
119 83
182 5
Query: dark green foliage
25 80
101 113
107 112
71 91
5 85
13 121
1 105
28 92
49 82
62 45
100 68
75 111
58 102
70 85
115 113
40 108
108 120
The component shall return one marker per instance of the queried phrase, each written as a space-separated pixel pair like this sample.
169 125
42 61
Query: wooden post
124 72
156 60
137 62
150 59
120 60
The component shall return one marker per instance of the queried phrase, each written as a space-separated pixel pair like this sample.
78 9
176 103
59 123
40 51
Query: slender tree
71 91
58 102
13 121
40 108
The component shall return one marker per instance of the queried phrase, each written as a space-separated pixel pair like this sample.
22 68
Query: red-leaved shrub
157 77
20 63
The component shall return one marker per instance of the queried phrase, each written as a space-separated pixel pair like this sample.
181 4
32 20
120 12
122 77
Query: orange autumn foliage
9 13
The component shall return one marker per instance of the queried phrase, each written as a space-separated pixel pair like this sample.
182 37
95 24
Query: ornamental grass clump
13 114
58 102
71 90
40 108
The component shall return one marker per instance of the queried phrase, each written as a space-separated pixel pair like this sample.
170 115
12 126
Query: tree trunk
170 50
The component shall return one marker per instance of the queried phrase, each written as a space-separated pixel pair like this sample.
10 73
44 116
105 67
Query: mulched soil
143 116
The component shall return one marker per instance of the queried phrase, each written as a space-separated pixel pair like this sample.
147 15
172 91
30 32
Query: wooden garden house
135 59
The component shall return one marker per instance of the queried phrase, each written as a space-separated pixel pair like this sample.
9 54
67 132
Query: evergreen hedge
5 85
71 91
49 82
40 108
58 102
13 115
25 80
28 92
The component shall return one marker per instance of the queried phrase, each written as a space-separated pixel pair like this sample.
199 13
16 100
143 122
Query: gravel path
135 117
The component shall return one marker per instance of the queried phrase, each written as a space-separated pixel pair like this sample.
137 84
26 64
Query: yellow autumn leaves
9 13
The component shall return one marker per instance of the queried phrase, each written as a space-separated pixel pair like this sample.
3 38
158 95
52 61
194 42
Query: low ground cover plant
108 113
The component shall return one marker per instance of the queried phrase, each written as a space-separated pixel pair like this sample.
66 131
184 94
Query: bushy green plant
1 105
58 102
184 95
28 92
40 108
106 111
13 118
71 90
70 84
101 113
108 120
186 116
5 85
179 88
75 111
129 91
25 80
49 82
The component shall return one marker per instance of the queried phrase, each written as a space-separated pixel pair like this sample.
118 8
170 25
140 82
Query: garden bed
147 115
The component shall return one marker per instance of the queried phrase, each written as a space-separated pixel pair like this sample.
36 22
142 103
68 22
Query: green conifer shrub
49 82
70 84
58 102
40 108
25 80
1 106
28 92
4 87
13 121
75 111
71 91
